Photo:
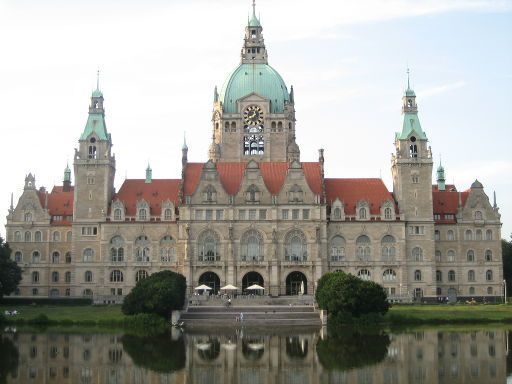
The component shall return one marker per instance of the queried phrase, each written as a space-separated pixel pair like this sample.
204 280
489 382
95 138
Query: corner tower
94 165
253 115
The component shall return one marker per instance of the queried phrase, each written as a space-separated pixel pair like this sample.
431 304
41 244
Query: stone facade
253 213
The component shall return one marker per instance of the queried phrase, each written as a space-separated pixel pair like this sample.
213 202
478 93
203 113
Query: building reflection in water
250 356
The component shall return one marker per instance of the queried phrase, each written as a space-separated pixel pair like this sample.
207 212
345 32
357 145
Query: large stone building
254 213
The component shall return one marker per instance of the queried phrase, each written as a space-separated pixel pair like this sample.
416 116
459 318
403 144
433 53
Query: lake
257 355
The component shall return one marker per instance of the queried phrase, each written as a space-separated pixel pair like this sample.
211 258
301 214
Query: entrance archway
212 280
251 278
294 281
452 295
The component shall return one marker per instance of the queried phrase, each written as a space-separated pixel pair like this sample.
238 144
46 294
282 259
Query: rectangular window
437 235
284 214
252 214
219 214
295 214
305 214
241 214
89 231
209 214
199 214
449 216
113 291
90 180
437 216
119 291
416 230
263 214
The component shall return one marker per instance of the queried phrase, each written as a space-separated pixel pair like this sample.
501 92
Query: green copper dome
261 79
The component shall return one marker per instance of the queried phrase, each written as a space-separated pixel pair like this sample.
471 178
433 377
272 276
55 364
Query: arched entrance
452 295
251 278
294 281
212 280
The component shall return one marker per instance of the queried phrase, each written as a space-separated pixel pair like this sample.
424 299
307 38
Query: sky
159 61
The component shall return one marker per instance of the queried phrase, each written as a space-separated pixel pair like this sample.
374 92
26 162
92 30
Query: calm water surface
257 355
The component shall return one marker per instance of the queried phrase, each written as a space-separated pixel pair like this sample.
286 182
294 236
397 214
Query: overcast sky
347 60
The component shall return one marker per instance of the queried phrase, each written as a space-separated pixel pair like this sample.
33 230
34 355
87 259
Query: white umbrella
302 287
229 287
202 287
203 346
256 286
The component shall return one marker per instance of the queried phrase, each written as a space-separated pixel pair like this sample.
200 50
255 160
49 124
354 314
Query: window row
37 236
115 276
471 275
387 211
469 235
253 194
55 277
470 256
143 212
36 257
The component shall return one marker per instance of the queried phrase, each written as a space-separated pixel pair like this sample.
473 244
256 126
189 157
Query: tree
506 249
10 273
160 293
341 293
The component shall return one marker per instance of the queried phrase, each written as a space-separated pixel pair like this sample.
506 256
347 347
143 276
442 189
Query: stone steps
246 308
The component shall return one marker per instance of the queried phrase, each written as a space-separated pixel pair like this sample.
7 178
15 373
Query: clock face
253 116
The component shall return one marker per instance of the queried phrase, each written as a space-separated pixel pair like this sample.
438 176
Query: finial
184 141
494 205
408 82
98 80
12 201
254 8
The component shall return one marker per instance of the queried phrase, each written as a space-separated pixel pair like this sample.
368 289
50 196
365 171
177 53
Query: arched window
478 215
167 249
478 234
68 257
253 194
468 235
55 257
69 236
362 213
28 236
295 246
437 235
88 254
389 276
28 216
56 236
36 257
439 276
226 126
488 235
67 277
117 249
17 236
450 256
142 274
338 248
209 194
439 291
417 275
471 256
471 275
88 276
364 274
488 275
168 214
142 250
67 292
488 255
336 214
450 235
38 237
118 214
208 247
116 276
388 248
363 250
143 214
451 275
438 256
18 257
251 246
388 213
417 254
35 277
55 277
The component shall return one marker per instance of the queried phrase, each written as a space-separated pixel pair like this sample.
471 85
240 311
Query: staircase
289 315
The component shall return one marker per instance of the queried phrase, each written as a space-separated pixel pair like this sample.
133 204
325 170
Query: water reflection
251 356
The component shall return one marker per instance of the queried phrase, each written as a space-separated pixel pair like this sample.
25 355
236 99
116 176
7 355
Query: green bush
160 293
40 319
344 295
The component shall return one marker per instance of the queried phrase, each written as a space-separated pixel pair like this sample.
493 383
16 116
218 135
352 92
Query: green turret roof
254 22
261 79
95 124
411 127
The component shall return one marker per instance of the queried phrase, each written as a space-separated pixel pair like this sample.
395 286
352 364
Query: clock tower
253 115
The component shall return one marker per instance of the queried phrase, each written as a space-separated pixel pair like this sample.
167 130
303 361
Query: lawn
446 313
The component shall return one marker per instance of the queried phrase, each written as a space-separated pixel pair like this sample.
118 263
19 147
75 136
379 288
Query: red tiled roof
60 203
231 174
154 193
350 191
447 202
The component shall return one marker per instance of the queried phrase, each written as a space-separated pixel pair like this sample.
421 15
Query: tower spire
98 80
253 8
408 79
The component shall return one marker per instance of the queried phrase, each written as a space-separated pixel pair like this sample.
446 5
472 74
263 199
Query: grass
449 314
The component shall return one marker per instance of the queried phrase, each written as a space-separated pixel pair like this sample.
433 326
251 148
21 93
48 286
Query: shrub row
10 301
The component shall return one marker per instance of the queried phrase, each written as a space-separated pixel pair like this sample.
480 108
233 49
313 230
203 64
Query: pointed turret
149 175
66 184
96 120
292 95
215 95
441 180
411 125
253 51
